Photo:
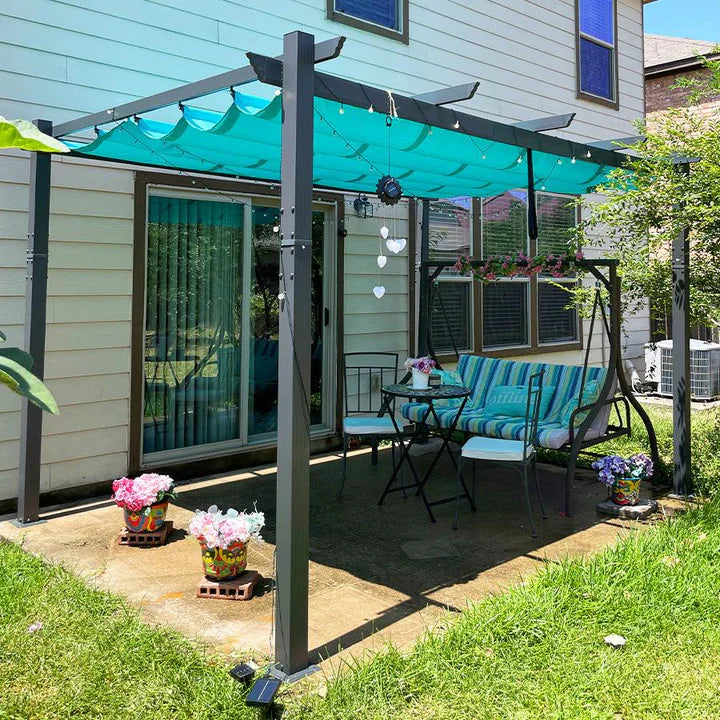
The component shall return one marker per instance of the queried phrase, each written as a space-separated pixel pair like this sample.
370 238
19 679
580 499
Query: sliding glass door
211 326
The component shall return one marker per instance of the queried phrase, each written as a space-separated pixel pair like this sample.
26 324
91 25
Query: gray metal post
35 316
681 358
424 284
293 453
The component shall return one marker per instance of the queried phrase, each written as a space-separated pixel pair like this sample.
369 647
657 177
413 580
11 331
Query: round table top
434 392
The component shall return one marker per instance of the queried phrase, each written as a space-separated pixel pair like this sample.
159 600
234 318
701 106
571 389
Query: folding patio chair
518 454
364 375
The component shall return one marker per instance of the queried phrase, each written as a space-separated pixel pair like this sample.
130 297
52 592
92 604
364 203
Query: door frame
237 455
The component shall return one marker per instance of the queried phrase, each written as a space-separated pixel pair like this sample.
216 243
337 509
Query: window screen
505 314
450 231
596 48
451 320
555 322
504 223
380 12
556 219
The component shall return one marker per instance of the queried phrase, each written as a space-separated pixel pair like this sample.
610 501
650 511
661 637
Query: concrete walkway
377 573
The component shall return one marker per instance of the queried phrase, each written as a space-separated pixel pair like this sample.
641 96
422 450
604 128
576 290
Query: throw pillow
589 396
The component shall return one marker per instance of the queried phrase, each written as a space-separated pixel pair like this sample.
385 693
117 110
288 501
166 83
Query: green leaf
18 355
24 135
21 381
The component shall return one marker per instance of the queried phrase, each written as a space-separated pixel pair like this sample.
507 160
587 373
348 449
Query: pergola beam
326 50
618 143
550 122
446 96
348 92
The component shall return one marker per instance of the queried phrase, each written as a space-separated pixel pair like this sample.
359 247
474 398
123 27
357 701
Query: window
597 50
384 17
450 236
509 315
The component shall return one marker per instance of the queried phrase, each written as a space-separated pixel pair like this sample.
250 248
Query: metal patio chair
364 375
517 454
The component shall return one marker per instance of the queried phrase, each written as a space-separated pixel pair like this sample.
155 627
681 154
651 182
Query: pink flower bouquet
138 494
422 364
222 529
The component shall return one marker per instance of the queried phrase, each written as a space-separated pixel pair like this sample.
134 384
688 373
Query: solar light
389 190
262 693
243 673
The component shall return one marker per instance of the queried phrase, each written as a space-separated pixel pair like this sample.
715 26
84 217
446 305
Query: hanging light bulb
559 161
457 125
277 92
573 161
484 157
542 187
371 109
342 109
589 154
519 160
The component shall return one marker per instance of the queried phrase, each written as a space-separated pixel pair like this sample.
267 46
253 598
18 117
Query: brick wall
660 93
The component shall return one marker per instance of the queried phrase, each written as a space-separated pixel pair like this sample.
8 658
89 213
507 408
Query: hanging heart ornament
384 232
381 261
396 245
379 291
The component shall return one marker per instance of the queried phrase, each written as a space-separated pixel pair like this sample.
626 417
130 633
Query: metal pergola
294 72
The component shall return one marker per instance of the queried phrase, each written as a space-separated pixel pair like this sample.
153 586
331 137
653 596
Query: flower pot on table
625 491
140 521
420 380
224 563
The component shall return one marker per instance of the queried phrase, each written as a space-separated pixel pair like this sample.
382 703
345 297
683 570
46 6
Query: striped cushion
482 374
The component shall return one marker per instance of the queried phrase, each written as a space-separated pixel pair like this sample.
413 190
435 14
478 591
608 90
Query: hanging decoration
521 265
381 260
395 245
379 291
389 190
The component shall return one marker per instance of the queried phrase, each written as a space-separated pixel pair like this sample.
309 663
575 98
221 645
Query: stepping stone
644 508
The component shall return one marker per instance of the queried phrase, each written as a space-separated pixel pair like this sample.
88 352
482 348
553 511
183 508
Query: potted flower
144 500
224 538
420 368
623 476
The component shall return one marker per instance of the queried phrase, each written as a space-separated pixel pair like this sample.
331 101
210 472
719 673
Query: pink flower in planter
218 529
141 492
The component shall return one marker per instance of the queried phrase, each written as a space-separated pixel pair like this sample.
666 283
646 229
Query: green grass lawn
93 657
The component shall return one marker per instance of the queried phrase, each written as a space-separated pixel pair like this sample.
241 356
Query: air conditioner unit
704 368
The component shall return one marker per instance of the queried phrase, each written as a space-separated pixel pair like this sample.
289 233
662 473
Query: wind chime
389 191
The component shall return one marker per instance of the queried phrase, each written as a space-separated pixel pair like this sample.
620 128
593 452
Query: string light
457 125
371 109
559 162
519 160
278 92
342 109
589 154
573 161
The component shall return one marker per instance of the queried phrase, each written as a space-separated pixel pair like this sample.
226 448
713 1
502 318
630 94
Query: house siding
62 59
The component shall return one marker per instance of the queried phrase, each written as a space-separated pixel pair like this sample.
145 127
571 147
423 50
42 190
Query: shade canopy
353 148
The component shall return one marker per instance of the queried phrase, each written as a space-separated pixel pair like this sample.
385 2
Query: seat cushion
485 448
368 425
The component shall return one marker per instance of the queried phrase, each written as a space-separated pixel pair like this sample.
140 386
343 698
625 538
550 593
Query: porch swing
605 418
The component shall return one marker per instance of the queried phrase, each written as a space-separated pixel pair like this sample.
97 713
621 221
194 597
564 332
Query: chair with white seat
519 454
364 375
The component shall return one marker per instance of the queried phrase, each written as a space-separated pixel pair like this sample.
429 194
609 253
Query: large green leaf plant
15 372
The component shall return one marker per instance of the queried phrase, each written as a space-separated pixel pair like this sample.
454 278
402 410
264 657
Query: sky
695 19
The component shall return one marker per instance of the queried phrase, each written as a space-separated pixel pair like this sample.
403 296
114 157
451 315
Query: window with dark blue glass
596 41
380 12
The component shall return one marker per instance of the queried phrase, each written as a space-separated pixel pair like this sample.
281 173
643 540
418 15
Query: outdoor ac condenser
704 368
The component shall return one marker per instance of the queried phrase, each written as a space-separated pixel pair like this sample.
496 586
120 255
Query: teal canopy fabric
353 148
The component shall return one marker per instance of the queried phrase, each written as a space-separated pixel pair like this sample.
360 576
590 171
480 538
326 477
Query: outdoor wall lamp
362 206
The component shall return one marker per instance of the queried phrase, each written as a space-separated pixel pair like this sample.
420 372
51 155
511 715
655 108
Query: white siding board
75 418
90 308
87 470
88 336
80 445
89 282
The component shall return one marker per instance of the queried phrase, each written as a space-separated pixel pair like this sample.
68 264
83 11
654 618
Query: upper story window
383 17
597 50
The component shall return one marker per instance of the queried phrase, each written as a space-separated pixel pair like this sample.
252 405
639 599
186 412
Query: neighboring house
162 307
667 60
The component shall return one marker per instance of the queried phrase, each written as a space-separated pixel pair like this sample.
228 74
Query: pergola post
681 358
293 449
35 319
424 283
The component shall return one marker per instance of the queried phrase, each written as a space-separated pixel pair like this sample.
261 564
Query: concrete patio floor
377 573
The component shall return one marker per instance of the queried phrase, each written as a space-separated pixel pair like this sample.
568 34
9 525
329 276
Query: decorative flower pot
139 522
626 491
420 380
224 563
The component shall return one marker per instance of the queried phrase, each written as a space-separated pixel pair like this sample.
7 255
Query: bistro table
422 428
